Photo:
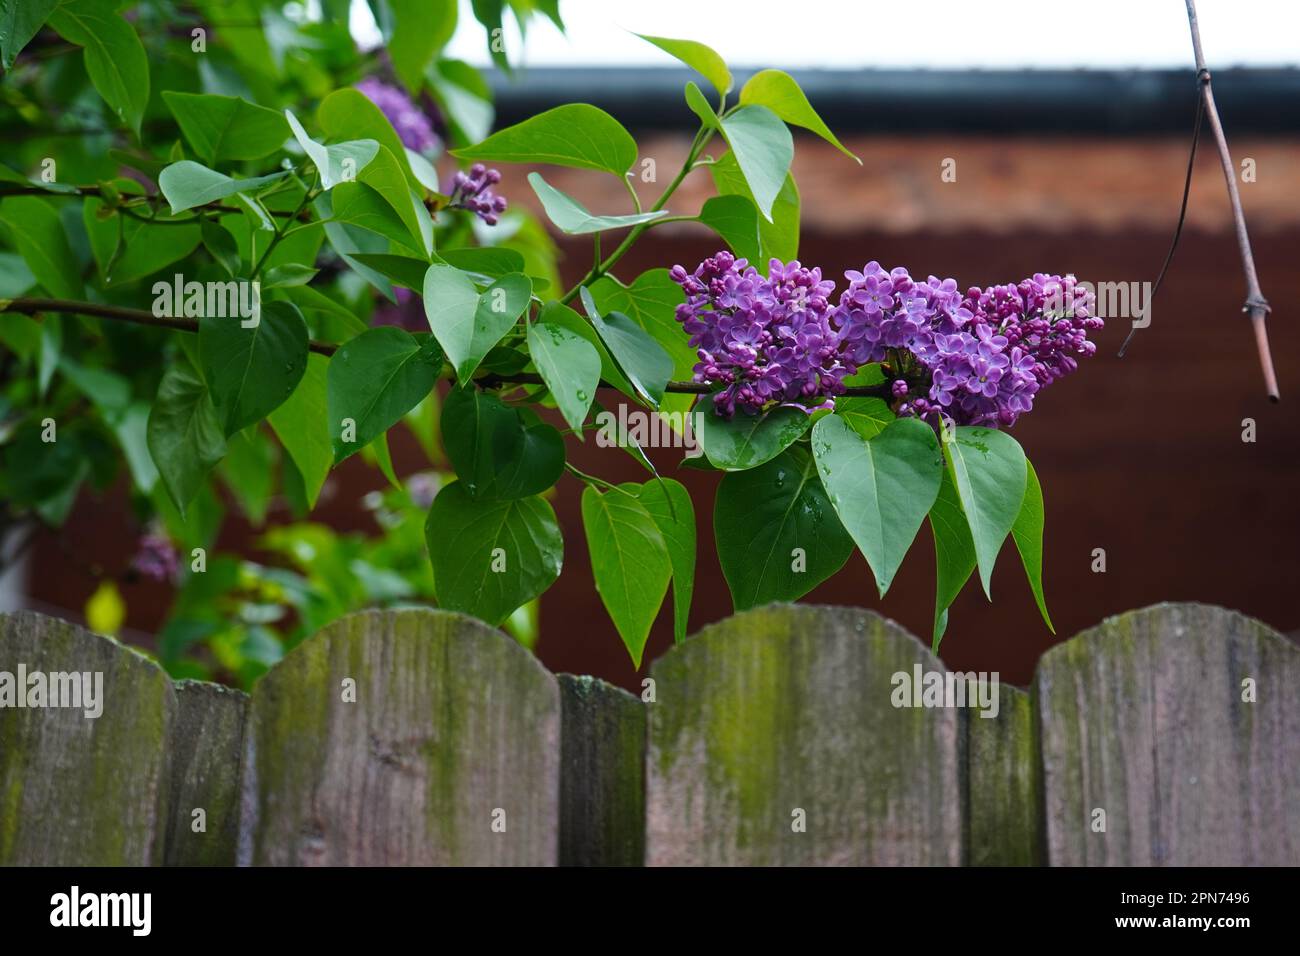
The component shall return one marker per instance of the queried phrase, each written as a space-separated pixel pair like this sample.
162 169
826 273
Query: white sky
908 33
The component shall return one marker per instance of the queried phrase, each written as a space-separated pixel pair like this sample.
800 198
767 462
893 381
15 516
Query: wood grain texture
602 774
453 722
788 707
206 743
1143 717
78 791
1004 822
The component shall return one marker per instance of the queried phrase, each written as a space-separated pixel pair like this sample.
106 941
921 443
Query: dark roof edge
892 101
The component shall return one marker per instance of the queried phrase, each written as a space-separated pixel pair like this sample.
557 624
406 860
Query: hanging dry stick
1256 305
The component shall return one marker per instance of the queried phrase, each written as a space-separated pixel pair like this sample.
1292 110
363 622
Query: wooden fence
1169 735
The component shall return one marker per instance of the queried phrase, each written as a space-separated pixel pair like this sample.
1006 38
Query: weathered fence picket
1169 735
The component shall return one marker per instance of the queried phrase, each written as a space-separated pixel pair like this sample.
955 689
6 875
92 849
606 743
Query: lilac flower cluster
412 125
473 191
764 338
156 557
973 358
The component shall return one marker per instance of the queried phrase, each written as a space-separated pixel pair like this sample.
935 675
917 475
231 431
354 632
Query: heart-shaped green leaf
746 441
466 324
629 561
777 534
645 363
570 367
700 58
184 435
497 451
781 94
954 553
1028 535
669 505
252 365
764 148
576 135
882 489
375 379
491 556
989 470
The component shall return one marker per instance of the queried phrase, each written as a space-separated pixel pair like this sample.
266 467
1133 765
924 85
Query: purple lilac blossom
977 358
412 125
473 191
763 338
156 557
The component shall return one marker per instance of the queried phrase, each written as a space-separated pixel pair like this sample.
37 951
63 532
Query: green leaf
777 534
570 367
402 270
572 217
989 470
221 245
466 324
349 113
735 219
651 302
384 175
499 451
763 148
491 556
781 94
645 363
556 313
302 425
629 561
184 434
467 107
882 489
127 249
115 58
374 380
224 128
488 262
746 441
356 204
576 135
669 505
339 163
422 28
869 416
252 370
780 236
20 20
1028 535
700 58
954 553
248 470
700 106
188 184
38 233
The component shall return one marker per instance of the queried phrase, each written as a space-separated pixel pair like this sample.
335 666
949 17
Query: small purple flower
473 191
156 557
412 125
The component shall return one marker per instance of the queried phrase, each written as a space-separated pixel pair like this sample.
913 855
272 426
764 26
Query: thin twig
118 313
1182 216
1256 305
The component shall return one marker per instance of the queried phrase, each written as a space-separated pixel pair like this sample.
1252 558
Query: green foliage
882 489
272 168
629 560
778 535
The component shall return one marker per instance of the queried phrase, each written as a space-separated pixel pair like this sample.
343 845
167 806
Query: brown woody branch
1256 306
32 306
